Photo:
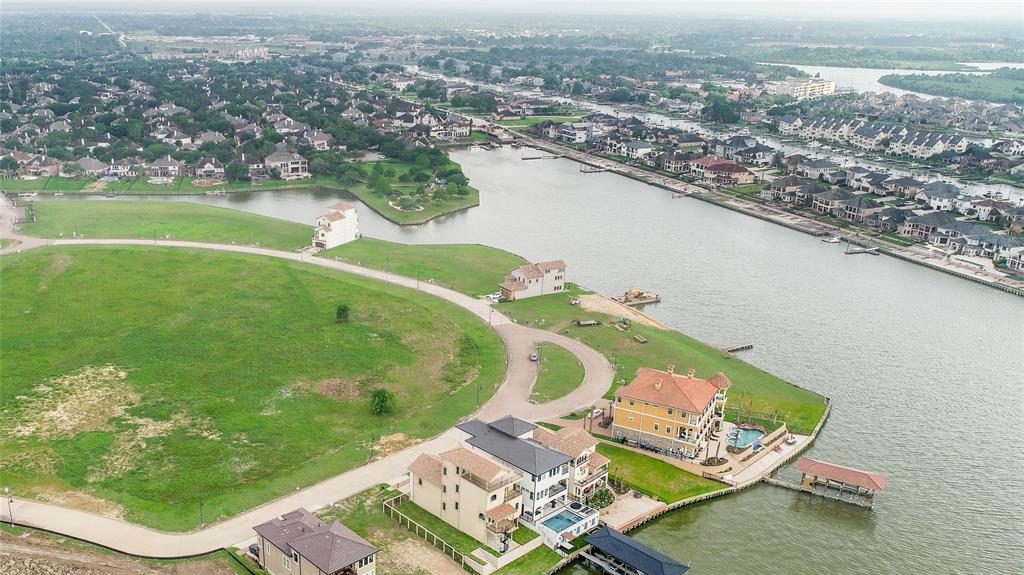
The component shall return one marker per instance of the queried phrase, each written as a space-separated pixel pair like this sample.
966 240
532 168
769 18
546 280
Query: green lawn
17 184
559 373
746 189
472 269
457 539
756 389
531 120
477 136
136 219
654 476
4 242
523 535
152 378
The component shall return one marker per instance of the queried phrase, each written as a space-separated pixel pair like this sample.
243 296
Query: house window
480 516
287 562
631 402
445 470
444 489
419 481
668 430
456 488
657 427
456 505
444 506
494 497
632 419
670 411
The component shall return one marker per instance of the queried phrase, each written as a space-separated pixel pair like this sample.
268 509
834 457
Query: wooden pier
588 169
543 157
836 482
740 348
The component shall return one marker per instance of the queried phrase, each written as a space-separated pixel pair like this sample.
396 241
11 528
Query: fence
467 562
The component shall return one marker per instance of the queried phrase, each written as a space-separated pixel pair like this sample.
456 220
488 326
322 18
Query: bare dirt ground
414 555
37 554
599 303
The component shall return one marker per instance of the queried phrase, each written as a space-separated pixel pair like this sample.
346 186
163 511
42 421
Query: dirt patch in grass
388 444
71 404
338 388
58 265
415 555
131 444
83 501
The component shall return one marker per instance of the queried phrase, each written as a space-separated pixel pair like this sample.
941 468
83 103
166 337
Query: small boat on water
110 194
831 240
58 195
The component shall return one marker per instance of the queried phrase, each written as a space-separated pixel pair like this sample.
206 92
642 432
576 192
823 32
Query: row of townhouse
834 202
873 136
946 234
507 473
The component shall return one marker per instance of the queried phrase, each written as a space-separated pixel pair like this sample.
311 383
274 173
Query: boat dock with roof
833 481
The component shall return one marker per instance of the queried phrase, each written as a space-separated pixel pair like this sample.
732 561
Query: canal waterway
925 370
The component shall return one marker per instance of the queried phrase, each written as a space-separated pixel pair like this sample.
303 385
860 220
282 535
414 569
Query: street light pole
10 502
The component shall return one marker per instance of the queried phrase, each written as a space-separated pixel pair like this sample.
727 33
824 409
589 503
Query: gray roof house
504 439
298 542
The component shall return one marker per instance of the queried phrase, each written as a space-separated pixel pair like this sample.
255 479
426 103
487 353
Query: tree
235 171
72 169
382 402
341 313
8 165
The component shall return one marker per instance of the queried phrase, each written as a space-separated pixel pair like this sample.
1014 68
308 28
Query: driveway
511 398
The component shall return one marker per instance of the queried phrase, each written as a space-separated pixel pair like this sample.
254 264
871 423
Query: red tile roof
669 389
503 511
841 473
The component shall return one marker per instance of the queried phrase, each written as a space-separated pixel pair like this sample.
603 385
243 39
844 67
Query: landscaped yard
141 381
753 388
54 184
472 269
558 374
181 220
431 208
537 561
457 539
654 476
746 189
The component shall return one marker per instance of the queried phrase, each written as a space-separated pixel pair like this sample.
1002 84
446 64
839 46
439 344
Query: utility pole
201 502
10 503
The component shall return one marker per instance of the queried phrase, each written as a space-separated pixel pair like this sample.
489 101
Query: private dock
836 482
637 297
543 157
740 348
588 169
855 251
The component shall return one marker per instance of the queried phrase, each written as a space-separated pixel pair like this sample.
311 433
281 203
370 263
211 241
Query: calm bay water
925 369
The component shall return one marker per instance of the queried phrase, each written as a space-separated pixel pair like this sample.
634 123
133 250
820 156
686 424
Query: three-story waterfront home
671 411
470 491
299 543
588 470
531 280
338 226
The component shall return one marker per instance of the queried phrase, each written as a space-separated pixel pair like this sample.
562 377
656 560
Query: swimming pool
744 436
564 520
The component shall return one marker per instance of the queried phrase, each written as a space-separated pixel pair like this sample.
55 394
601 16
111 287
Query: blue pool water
742 437
562 521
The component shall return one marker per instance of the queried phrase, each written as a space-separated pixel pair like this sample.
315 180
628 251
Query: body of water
925 370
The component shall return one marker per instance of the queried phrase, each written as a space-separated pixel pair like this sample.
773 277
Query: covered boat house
839 482
618 554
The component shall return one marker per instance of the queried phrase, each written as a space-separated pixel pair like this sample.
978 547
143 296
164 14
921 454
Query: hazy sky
1004 11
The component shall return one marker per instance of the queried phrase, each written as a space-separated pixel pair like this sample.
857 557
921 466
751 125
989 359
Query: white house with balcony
532 280
338 226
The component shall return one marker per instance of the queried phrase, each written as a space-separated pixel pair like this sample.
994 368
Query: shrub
601 498
382 402
341 314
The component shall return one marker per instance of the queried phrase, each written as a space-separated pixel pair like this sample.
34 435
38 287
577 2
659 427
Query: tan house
669 410
472 492
298 543
531 280
588 469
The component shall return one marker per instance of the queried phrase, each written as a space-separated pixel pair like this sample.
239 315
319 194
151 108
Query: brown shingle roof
669 389
427 467
503 511
513 285
474 463
841 473
330 547
570 441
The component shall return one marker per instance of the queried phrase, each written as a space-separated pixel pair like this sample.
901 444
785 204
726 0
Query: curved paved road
511 398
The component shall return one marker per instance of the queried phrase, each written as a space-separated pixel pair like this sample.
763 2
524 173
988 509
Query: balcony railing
488 486
512 494
503 526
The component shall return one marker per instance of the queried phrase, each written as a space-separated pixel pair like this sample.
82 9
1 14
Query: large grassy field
472 269
145 380
754 388
558 374
133 219
654 476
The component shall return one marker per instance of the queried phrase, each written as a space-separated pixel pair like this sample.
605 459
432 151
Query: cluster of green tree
69 36
1005 85
908 57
